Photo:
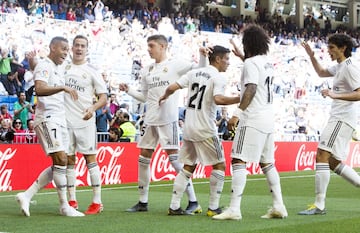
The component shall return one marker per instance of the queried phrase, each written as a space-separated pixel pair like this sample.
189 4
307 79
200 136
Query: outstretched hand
307 48
237 52
123 87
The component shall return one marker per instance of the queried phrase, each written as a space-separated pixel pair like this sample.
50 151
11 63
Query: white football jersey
346 79
203 84
87 81
155 78
259 114
50 108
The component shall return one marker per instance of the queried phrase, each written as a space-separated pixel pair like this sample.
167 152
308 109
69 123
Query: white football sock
180 183
143 178
238 184
71 182
216 186
95 178
173 158
59 174
273 179
322 179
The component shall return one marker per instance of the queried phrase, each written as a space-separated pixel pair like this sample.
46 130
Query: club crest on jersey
45 74
165 70
151 68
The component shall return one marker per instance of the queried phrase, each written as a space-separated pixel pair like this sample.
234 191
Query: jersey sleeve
251 72
354 74
183 82
99 84
42 71
219 85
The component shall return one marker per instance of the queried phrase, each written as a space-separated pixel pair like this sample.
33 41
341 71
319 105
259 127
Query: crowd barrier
20 164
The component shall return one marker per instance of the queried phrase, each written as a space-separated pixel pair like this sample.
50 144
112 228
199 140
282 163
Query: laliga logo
5 174
162 167
110 172
305 160
355 156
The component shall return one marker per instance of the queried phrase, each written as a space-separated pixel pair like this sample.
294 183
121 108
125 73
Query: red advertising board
21 164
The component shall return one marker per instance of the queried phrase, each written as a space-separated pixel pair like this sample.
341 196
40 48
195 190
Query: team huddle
75 83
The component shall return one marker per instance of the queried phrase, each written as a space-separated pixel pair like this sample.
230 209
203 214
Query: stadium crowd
117 32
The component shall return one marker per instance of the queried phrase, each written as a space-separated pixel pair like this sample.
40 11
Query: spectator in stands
30 132
22 108
114 104
108 14
70 15
19 131
4 113
6 131
6 61
103 117
79 11
115 121
180 23
98 10
89 16
32 7
222 121
114 134
127 130
10 83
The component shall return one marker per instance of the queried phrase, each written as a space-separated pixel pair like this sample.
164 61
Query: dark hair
342 40
126 115
57 39
14 123
217 51
255 41
161 39
81 37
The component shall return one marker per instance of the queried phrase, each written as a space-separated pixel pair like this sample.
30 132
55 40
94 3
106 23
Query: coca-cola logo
253 168
161 168
107 158
355 156
305 160
5 173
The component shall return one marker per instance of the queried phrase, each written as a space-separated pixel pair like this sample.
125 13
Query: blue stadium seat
12 99
10 106
4 99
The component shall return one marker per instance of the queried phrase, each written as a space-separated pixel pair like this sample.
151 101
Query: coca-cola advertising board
20 164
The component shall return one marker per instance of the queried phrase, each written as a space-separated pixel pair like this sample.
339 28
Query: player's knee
236 161
219 166
71 160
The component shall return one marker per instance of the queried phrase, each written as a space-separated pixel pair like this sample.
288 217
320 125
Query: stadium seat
12 99
4 99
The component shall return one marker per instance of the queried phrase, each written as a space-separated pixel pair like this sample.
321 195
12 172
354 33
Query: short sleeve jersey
346 79
87 81
203 84
50 108
259 114
154 81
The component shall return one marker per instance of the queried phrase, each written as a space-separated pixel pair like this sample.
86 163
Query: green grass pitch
343 209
